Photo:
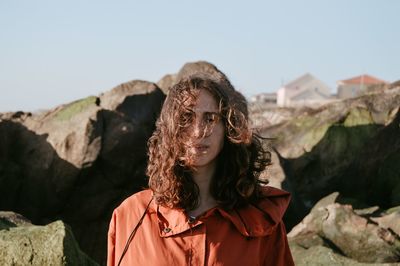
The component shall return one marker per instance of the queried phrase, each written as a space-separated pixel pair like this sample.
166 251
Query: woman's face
205 131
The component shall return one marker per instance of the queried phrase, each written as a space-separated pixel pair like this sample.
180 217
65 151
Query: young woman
205 205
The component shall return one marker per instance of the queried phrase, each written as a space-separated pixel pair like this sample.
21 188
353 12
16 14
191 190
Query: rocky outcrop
351 147
301 134
351 238
166 82
192 69
22 243
78 161
264 116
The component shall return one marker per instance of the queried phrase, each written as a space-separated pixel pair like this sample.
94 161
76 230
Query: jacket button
167 230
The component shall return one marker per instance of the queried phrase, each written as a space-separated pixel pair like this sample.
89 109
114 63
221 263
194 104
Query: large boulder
390 220
321 255
339 228
166 82
22 243
202 68
78 161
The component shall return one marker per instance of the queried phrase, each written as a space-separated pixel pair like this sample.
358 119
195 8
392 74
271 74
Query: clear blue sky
54 52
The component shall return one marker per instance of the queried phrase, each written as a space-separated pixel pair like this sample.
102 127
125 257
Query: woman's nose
198 129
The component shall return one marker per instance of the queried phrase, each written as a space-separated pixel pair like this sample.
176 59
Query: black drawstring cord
133 232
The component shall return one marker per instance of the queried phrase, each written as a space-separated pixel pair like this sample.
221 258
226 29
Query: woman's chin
201 162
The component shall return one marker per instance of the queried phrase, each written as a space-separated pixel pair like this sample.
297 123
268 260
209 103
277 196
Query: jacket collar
255 220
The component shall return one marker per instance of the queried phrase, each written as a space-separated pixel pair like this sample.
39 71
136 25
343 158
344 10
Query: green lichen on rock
53 244
305 131
321 255
314 136
70 110
358 117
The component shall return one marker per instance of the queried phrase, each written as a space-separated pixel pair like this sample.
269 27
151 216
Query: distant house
357 86
303 91
265 98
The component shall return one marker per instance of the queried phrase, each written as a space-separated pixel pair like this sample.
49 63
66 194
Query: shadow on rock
360 162
78 162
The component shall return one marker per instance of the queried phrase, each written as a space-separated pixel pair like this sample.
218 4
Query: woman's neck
203 176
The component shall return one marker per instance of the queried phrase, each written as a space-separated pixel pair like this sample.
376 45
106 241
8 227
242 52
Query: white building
265 98
304 91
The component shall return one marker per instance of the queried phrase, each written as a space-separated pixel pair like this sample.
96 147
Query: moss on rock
53 244
358 117
70 110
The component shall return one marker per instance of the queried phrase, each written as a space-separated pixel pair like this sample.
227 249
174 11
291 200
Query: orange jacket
253 235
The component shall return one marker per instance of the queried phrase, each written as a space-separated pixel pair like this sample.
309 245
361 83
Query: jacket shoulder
274 202
262 217
135 203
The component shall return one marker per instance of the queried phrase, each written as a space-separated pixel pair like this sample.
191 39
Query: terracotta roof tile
363 79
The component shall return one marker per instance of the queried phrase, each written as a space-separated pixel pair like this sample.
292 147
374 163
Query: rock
324 202
167 82
320 255
112 99
264 116
12 219
367 211
202 68
350 146
390 221
79 140
78 161
347 234
27 244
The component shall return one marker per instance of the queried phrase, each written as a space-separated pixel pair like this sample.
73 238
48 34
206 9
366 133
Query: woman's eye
187 118
211 118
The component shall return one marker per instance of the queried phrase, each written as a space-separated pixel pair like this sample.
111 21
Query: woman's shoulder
274 202
135 203
268 191
262 217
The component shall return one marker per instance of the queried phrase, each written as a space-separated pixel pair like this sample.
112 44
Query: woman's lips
200 148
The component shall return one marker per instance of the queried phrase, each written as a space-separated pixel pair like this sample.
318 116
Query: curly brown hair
239 164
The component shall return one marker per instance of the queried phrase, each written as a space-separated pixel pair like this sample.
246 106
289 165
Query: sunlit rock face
352 236
352 147
22 243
